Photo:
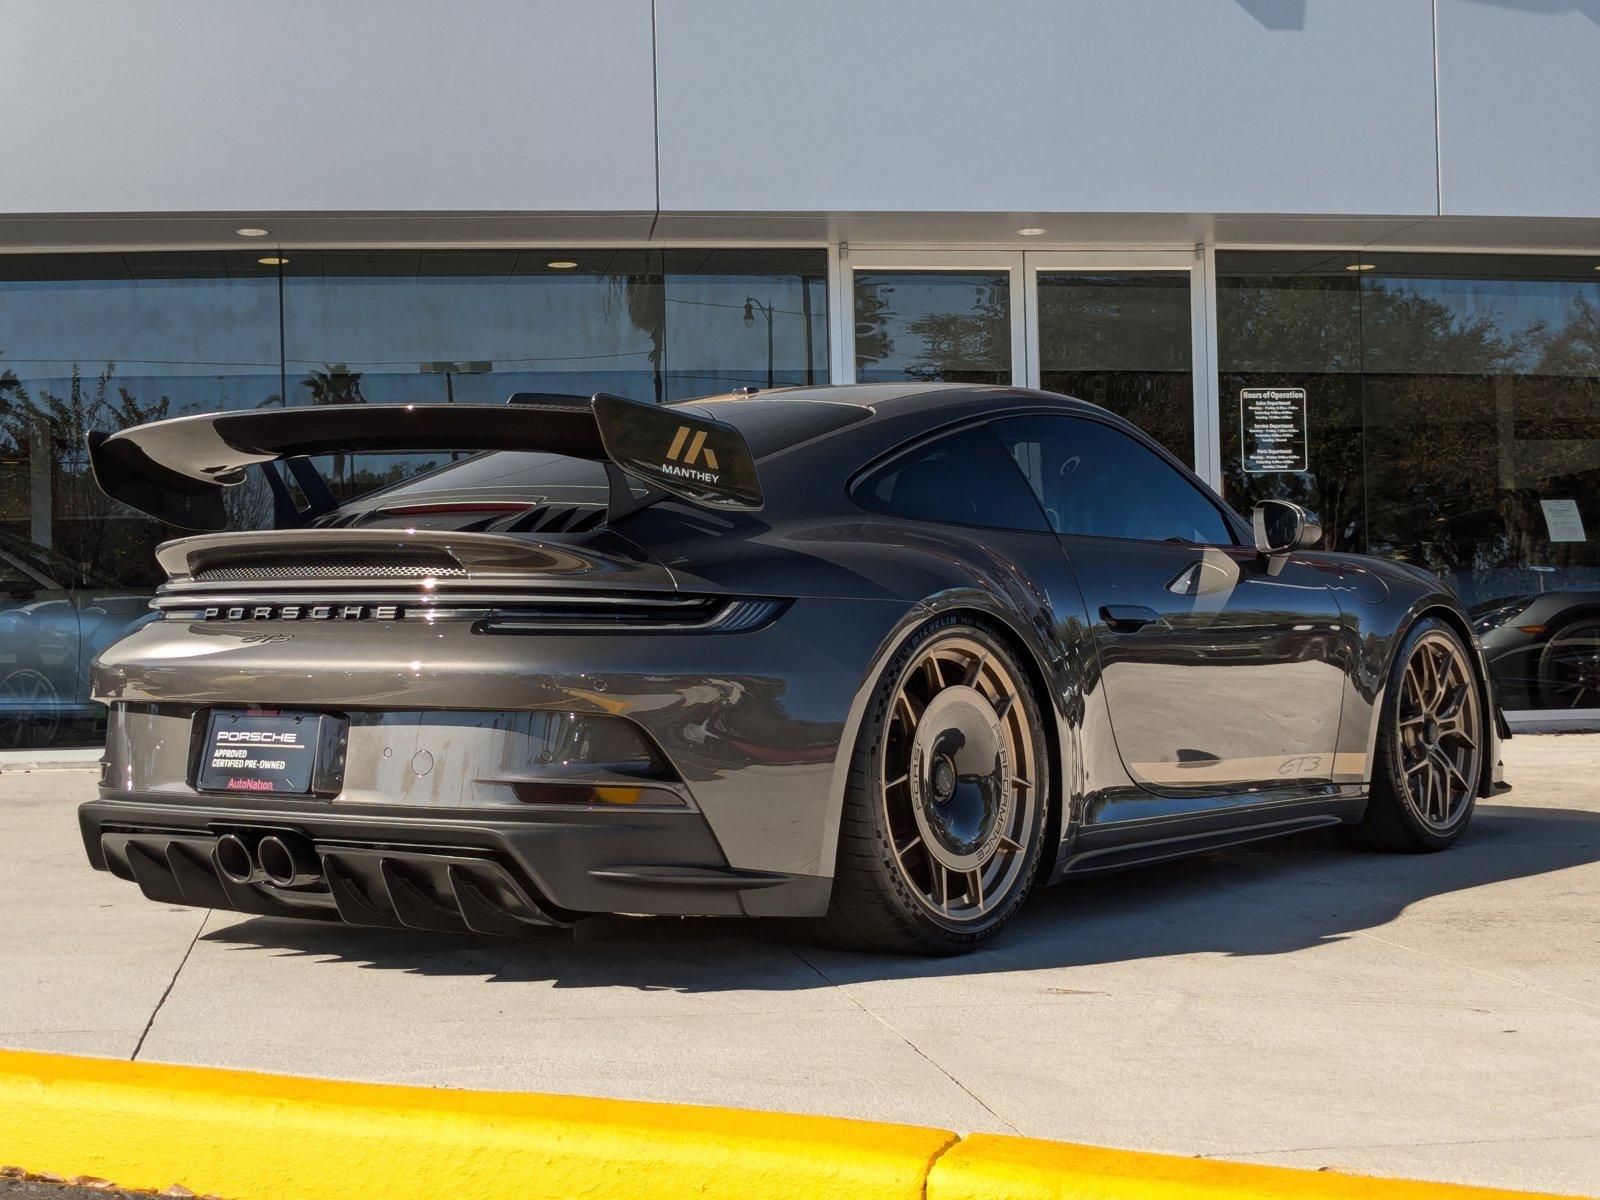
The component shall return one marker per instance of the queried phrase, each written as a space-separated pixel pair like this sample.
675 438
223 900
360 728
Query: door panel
1221 671
1231 678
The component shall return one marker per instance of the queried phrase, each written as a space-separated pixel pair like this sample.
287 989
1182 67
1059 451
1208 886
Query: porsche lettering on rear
303 612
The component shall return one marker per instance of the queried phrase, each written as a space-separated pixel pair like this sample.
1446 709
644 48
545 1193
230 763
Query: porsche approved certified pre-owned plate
260 750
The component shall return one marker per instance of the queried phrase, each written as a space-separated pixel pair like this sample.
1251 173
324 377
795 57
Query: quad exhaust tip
287 862
284 861
234 859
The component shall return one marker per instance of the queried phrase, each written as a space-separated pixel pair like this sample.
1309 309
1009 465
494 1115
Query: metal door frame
1023 268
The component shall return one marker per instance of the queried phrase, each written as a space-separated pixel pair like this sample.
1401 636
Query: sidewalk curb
271 1137
985 1166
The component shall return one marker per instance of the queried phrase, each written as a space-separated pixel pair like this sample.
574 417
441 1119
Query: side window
15 583
964 478
1094 480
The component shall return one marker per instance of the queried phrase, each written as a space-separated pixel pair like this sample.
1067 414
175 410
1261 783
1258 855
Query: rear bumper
755 726
471 871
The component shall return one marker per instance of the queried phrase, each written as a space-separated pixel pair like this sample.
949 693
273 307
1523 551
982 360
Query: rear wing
177 470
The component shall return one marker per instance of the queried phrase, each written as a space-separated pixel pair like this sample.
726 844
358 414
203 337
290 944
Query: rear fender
981 606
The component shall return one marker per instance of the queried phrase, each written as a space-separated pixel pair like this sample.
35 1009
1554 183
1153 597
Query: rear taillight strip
731 616
499 614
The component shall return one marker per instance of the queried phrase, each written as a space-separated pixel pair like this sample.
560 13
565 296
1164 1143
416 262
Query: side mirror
1281 527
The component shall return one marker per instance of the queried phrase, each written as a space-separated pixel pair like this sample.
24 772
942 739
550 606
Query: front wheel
1569 666
944 812
1430 745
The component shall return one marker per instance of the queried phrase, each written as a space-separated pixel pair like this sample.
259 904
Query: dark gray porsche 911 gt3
886 656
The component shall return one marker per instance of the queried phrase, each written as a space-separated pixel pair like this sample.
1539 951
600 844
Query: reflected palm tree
643 298
335 384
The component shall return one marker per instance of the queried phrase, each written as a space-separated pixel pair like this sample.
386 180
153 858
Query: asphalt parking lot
1300 1003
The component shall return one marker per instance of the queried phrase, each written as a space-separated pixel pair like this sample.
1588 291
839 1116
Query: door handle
1128 618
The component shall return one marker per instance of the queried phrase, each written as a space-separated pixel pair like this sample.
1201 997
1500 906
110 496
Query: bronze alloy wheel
960 780
1439 727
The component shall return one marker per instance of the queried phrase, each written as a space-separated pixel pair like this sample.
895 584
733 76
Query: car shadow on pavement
1274 898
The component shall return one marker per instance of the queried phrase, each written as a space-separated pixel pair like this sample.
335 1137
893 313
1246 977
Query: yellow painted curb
988 1167
273 1137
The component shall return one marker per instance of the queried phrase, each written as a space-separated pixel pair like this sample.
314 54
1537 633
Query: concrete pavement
1297 1003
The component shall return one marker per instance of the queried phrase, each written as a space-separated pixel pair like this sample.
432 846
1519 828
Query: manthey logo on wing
681 450
689 448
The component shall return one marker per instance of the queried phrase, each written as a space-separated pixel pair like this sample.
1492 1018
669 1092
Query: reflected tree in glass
642 299
932 327
1122 341
335 384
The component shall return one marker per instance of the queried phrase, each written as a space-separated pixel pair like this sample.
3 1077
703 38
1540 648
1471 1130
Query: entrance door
1117 328
951 317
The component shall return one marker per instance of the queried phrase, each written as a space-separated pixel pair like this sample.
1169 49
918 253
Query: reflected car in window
1543 649
885 656
54 618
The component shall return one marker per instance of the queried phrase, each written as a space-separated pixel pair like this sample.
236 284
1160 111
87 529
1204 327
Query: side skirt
1116 847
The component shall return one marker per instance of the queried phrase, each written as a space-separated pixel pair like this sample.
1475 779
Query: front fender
1380 629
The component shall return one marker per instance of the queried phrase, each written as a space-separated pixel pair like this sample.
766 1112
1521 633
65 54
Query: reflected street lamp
751 304
450 370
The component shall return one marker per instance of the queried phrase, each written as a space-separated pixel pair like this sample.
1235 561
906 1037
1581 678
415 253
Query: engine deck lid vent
558 518
347 563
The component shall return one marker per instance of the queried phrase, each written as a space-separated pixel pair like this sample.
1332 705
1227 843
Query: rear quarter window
963 478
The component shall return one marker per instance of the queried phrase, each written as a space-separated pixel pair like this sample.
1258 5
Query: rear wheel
944 812
1430 745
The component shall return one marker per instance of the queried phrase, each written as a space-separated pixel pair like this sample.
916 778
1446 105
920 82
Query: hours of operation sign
1272 429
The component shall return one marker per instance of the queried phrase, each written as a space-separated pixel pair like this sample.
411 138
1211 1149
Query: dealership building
1345 252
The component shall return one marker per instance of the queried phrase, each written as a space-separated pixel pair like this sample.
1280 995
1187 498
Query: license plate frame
267 751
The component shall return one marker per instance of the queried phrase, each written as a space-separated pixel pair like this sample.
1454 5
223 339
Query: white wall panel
239 105
1519 107
1288 106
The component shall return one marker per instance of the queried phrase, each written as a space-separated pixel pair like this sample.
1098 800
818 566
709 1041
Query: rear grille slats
558 518
341 564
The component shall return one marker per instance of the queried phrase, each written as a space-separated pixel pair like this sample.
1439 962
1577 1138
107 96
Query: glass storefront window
476 326
743 318
103 341
933 326
1122 341
1453 421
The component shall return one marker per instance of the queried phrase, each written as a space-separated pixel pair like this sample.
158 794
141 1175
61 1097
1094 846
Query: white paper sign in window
1563 521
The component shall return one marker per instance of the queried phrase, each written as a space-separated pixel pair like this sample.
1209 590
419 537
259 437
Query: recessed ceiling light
273 260
1031 231
561 264
1360 266
250 231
